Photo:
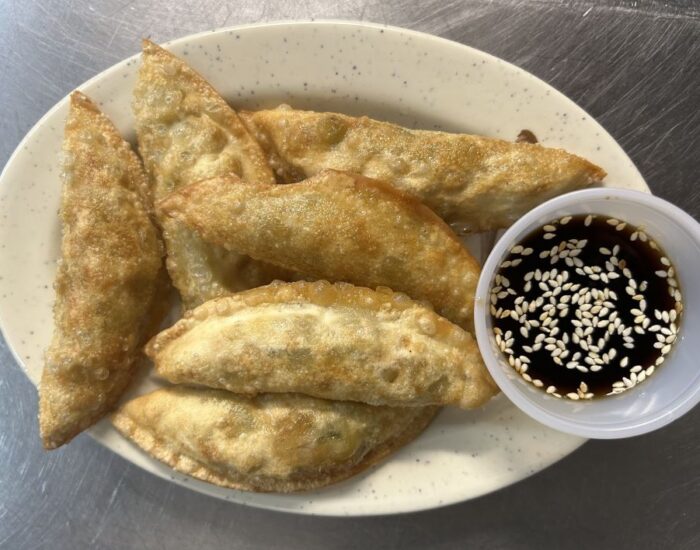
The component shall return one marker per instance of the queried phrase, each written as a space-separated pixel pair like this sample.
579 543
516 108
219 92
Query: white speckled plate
414 79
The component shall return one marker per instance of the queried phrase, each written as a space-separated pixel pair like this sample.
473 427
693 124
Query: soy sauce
622 279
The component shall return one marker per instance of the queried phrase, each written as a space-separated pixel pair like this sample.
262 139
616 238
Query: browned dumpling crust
481 183
107 277
334 341
337 226
282 443
187 132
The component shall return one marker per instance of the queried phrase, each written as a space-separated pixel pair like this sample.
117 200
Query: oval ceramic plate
388 73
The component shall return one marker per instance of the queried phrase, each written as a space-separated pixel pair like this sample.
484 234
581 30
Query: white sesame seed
527 252
549 228
573 396
551 389
636 368
661 273
612 221
517 249
588 220
665 349
538 383
548 236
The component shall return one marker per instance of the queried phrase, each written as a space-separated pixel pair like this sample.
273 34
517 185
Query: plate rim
421 35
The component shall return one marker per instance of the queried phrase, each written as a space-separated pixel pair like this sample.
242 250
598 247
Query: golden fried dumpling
337 226
281 443
187 132
334 341
106 281
483 183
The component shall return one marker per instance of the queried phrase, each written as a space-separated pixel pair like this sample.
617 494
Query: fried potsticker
187 132
107 279
335 341
481 183
282 443
337 226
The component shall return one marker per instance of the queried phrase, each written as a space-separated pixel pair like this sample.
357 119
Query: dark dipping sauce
586 306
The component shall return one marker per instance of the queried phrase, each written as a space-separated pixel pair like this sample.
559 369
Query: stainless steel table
635 66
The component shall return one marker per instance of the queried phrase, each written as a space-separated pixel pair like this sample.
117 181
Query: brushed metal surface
633 65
